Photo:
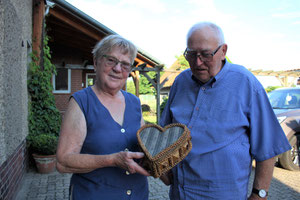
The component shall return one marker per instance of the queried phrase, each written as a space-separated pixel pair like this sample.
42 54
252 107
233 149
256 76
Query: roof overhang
68 26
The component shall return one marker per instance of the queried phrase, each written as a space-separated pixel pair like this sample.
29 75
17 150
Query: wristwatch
261 192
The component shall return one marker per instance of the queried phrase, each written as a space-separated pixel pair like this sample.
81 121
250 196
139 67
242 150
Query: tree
271 88
145 86
130 87
184 64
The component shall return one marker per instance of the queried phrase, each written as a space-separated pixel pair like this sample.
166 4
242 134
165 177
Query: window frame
86 78
69 84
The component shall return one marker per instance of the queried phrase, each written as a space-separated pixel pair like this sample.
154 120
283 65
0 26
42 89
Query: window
62 81
90 79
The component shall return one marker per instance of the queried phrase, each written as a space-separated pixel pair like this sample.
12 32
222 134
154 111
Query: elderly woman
98 141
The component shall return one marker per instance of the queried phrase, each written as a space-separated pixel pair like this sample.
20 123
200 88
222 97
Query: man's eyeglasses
112 62
191 55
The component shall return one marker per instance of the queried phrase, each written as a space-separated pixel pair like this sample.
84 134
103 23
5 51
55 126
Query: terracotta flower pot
45 164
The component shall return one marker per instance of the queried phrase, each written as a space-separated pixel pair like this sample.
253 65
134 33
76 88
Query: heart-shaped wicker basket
163 147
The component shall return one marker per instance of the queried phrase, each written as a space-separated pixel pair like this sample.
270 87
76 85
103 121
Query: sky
260 34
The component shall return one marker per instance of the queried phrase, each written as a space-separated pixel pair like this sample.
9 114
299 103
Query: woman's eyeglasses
112 62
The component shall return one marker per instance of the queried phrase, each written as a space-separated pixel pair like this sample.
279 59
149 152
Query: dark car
286 105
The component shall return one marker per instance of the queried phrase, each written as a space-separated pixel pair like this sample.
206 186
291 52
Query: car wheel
291 159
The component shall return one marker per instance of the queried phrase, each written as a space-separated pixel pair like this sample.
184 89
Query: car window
285 99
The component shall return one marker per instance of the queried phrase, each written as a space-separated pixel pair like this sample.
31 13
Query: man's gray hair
106 45
214 27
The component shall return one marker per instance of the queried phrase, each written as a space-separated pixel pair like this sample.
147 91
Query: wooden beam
66 32
133 75
164 81
143 69
38 26
145 59
158 86
141 60
282 80
136 79
149 79
77 25
137 83
289 73
146 69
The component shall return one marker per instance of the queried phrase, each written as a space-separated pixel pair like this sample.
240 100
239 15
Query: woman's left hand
124 160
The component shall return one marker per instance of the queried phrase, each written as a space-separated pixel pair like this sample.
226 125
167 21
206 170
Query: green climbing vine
44 117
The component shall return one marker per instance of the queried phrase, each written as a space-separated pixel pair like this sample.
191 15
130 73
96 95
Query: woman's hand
124 160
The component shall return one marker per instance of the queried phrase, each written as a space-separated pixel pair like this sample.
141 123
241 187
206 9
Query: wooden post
137 83
135 77
157 96
38 26
155 83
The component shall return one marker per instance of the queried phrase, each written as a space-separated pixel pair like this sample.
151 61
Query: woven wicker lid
163 147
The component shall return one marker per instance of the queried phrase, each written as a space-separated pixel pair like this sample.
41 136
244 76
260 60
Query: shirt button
122 130
127 173
126 150
197 108
128 192
203 88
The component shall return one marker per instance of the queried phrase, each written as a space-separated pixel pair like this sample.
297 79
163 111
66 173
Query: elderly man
231 122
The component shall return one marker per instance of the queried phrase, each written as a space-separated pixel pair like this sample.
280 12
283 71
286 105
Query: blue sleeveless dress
105 136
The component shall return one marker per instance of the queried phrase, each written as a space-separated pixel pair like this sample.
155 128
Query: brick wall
62 100
12 171
77 80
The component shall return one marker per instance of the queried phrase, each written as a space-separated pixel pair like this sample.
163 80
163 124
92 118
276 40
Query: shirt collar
210 82
223 71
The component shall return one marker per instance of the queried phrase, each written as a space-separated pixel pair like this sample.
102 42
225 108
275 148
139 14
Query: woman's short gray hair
106 45
214 27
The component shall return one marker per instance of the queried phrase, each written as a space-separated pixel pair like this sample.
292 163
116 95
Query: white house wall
15 45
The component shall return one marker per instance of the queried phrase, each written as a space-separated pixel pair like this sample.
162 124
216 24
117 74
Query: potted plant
43 116
44 147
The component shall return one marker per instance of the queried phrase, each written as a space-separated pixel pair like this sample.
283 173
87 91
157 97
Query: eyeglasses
112 62
191 55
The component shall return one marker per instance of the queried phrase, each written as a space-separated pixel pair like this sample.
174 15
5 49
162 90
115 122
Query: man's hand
167 178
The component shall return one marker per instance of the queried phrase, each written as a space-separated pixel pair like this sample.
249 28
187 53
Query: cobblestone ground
285 185
158 190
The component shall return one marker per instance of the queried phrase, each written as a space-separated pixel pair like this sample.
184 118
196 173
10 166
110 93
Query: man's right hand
167 178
